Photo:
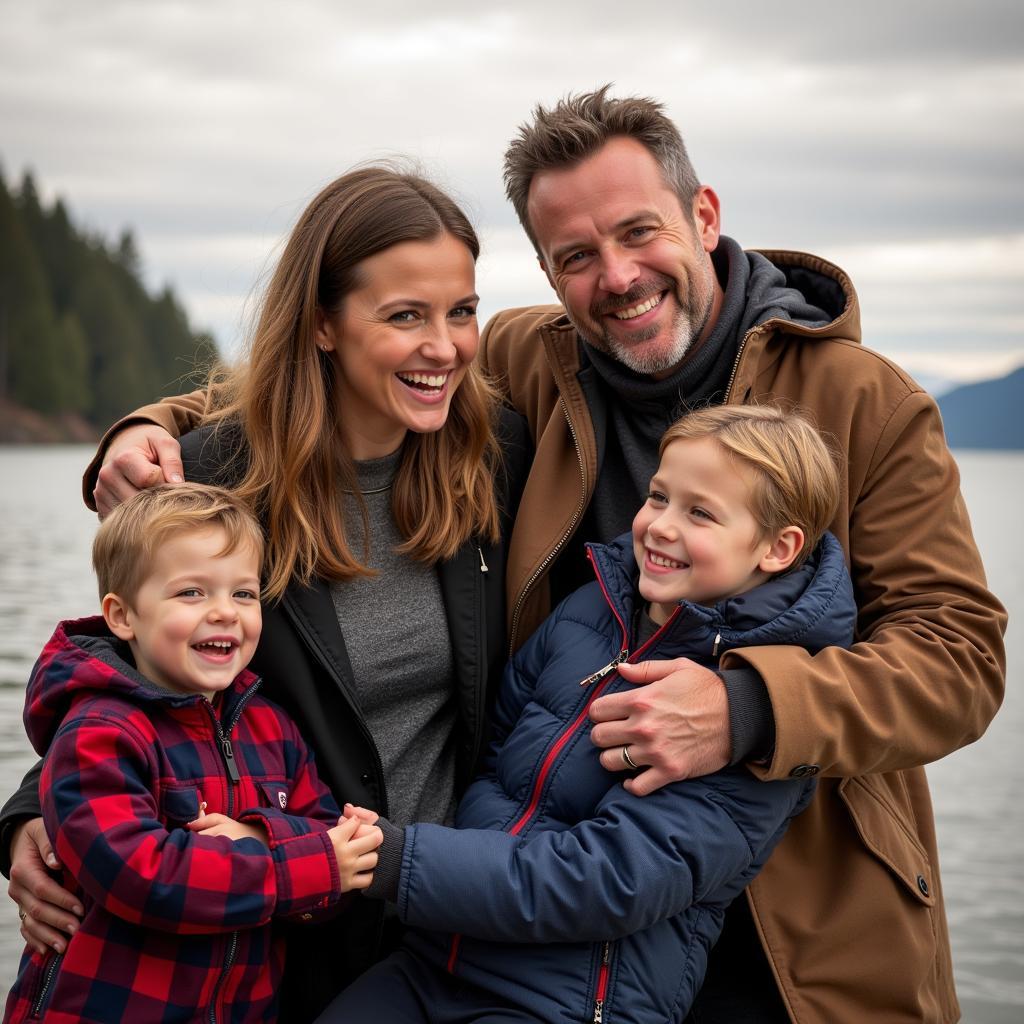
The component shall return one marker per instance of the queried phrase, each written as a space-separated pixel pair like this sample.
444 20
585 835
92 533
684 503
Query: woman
360 431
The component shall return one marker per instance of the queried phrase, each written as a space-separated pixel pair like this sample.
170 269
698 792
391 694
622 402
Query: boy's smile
195 621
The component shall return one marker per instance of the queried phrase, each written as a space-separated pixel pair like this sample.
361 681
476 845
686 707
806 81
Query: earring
324 348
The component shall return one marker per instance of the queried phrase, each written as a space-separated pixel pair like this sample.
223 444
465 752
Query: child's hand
366 818
355 844
222 825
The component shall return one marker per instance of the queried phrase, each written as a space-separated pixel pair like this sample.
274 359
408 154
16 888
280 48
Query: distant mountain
80 335
989 414
935 385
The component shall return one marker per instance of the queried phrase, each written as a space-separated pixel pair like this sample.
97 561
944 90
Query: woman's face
402 342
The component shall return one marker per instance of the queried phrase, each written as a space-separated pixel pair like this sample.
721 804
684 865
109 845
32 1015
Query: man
661 313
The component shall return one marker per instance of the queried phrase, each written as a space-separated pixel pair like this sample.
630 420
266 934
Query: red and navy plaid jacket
177 926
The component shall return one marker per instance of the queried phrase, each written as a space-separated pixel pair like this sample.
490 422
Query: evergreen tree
78 330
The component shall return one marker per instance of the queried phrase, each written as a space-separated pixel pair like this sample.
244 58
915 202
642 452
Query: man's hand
46 908
139 456
675 723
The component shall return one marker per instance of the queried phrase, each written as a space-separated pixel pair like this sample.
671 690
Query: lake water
45 533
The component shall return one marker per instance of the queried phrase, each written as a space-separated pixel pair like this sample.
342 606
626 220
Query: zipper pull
714 650
483 564
229 759
612 665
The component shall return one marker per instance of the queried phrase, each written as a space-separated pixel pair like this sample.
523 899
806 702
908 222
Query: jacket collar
812 605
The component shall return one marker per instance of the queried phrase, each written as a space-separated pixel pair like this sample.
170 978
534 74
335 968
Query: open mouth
662 562
215 648
424 383
632 312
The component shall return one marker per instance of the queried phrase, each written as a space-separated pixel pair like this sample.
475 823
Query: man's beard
688 323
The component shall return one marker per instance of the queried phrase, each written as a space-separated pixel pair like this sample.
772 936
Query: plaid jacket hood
177 926
83 657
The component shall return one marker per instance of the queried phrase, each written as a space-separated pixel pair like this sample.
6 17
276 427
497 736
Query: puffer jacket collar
812 605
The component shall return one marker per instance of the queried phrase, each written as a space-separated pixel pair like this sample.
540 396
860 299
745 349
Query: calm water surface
45 533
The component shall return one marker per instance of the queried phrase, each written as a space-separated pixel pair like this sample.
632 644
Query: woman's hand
140 456
47 910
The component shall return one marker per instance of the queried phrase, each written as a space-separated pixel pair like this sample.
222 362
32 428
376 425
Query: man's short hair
577 127
796 482
127 540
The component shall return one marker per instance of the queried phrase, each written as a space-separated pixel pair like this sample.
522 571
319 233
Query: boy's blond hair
127 540
796 482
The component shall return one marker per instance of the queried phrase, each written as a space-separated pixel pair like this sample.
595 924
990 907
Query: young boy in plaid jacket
185 808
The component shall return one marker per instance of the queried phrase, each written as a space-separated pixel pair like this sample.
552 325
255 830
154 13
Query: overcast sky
884 136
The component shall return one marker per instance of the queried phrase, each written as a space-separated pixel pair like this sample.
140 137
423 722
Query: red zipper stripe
563 739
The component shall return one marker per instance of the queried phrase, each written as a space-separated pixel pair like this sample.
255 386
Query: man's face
631 267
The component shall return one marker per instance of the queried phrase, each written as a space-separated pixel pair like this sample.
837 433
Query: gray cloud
208 125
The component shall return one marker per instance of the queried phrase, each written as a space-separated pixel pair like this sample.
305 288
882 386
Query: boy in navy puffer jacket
560 896
148 718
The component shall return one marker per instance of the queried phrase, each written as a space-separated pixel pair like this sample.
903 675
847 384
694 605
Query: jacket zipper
550 556
480 695
227 752
602 678
601 993
229 959
50 973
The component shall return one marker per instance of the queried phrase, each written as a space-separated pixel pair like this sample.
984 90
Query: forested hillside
79 333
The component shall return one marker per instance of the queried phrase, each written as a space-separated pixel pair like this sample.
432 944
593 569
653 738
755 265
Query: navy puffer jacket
550 848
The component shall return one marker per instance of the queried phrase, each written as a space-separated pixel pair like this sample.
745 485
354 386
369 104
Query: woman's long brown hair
284 395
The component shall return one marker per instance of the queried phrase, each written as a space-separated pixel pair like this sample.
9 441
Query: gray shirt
396 633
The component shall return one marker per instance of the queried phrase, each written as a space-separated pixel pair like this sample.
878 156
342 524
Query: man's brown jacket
849 907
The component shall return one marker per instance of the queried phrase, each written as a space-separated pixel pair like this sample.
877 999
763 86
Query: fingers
168 455
43 937
361 844
643 672
613 761
647 782
362 880
122 478
49 912
207 821
370 817
47 909
355 845
366 862
31 845
139 456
